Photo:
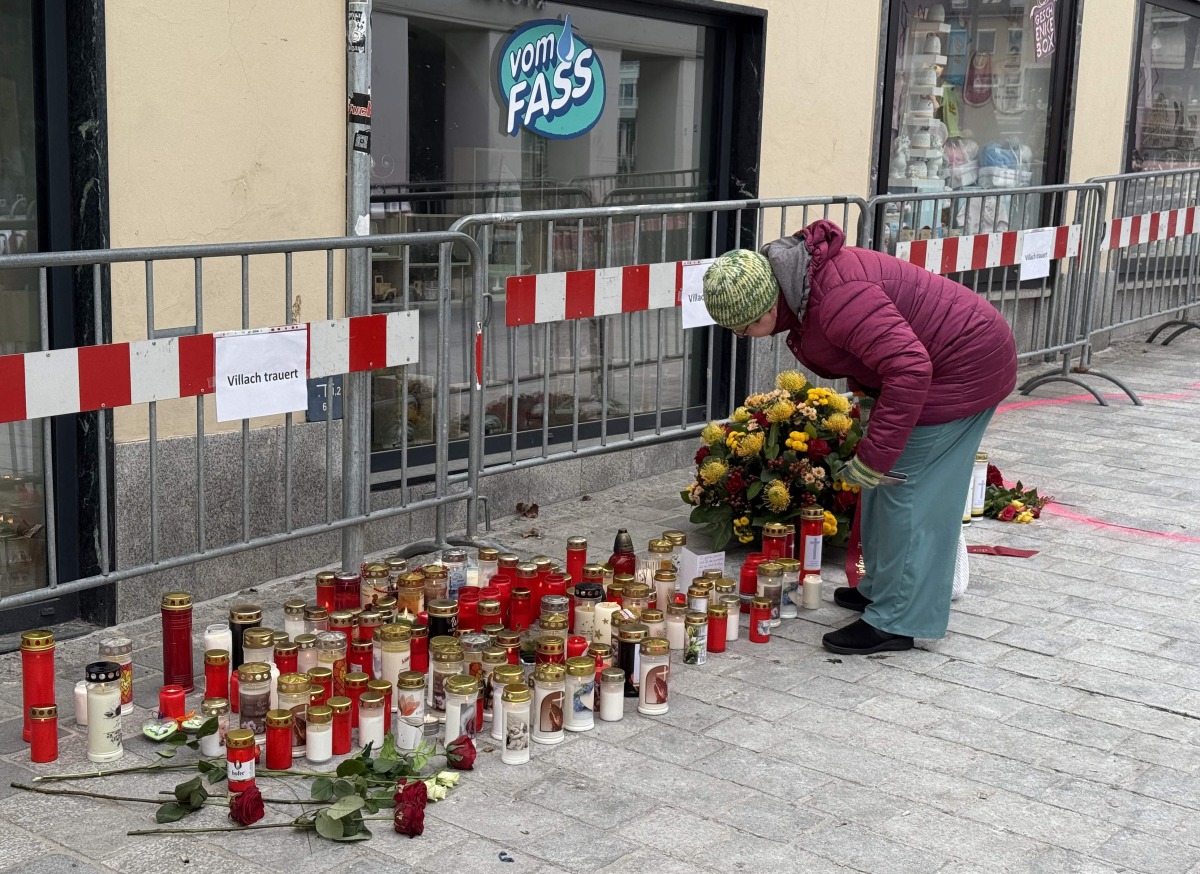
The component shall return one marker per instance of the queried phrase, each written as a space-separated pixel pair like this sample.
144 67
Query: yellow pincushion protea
780 411
712 434
751 444
777 495
712 471
839 423
838 403
830 526
791 381
741 414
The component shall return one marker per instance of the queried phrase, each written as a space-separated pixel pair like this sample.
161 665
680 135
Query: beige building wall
1106 63
225 124
819 96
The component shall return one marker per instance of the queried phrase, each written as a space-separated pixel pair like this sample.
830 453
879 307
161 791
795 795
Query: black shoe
850 598
859 638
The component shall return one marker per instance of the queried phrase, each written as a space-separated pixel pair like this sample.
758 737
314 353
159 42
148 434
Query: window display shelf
925 90
919 185
929 27
920 62
926 153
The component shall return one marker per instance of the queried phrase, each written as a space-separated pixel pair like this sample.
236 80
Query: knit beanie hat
739 288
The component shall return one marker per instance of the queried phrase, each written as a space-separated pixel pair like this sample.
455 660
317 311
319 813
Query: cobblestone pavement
1053 729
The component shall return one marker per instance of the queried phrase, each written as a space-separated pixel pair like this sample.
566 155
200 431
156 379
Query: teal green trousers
910 532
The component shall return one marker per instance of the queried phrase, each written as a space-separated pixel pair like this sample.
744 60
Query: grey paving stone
975 676
850 802
1075 728
1166 785
191 853
643 861
679 833
676 745
974 626
774 819
745 732
20 848
864 850
58 863
1052 825
1160 751
961 838
900 710
1149 853
581 798
479 856
765 773
976 702
967 648
1055 695
582 850
1139 717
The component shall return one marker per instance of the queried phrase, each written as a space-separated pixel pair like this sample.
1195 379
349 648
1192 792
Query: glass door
22 473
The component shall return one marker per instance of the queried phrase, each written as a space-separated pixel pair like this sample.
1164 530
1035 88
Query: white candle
612 701
603 631
104 722
585 619
811 592
318 742
81 703
218 636
370 728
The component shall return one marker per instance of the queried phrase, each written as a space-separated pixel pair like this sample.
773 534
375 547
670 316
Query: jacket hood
825 240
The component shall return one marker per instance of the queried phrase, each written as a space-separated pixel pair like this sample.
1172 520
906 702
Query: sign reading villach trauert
551 82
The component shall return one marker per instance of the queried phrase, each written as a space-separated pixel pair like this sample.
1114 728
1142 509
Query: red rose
844 500
246 808
1037 512
818 449
1007 514
702 453
856 412
409 817
460 753
736 483
762 420
994 477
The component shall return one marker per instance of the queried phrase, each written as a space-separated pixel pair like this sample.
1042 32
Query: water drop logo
551 81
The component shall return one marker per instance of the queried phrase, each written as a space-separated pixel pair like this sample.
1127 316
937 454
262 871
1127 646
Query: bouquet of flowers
1016 504
779 452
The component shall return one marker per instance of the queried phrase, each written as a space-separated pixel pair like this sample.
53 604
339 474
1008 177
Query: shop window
442 149
973 91
1166 103
22 504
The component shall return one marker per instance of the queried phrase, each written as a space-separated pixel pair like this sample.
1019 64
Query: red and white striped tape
979 251
1149 227
64 381
580 294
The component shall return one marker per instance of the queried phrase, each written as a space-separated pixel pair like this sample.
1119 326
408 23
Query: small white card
262 372
1036 253
694 564
695 313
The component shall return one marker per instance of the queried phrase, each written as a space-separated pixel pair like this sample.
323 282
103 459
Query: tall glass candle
548 702
104 712
580 694
37 673
120 650
254 697
240 755
306 653
612 694
695 647
462 705
216 673
241 617
655 672
487 560
294 697
812 526
371 709
342 730
318 737
331 653
326 590
732 605
515 723
577 548
293 617
409 724
605 613
177 641
279 740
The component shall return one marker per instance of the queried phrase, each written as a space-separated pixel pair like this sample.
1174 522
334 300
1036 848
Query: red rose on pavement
701 454
994 477
1037 512
409 817
246 808
460 753
818 449
1007 514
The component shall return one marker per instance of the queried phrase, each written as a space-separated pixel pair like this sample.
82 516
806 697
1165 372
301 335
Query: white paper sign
695 313
1036 252
261 373
693 564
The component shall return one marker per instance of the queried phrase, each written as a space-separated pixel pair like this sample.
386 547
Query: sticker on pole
695 313
1036 252
550 81
262 372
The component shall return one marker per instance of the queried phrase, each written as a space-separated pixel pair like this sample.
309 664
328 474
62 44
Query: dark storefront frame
72 213
737 43
1062 93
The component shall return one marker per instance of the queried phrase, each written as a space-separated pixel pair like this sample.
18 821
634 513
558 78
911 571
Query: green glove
858 474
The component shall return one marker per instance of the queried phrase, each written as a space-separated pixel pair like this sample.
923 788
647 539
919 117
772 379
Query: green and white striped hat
739 288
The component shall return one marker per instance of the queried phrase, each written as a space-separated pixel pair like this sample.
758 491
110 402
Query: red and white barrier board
1150 227
979 251
64 381
580 294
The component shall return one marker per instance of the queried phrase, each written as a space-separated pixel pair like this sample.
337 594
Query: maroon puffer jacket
933 350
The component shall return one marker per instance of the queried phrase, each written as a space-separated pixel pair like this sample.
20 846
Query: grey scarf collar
789 259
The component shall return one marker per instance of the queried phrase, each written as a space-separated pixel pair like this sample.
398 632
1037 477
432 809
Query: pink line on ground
1071 399
1059 510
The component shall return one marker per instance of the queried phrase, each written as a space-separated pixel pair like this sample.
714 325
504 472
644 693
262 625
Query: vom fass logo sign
551 81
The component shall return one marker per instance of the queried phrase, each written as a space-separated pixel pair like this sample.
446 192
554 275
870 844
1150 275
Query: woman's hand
856 473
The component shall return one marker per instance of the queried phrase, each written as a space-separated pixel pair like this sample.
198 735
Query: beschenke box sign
551 82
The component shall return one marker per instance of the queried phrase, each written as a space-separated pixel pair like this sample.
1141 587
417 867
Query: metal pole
355 427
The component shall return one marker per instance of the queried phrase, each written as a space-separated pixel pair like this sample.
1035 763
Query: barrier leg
1184 326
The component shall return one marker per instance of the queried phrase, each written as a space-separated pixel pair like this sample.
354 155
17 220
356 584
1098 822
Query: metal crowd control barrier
980 238
172 368
581 344
1149 255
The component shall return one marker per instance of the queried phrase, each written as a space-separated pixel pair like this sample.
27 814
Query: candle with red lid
37 673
